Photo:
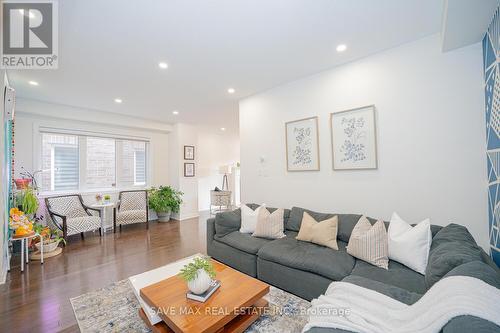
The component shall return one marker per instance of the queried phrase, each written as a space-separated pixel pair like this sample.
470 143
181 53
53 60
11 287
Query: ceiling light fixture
118 100
341 47
231 90
222 129
163 65
33 83
175 112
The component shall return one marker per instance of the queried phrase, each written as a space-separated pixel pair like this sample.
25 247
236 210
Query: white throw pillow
410 245
249 219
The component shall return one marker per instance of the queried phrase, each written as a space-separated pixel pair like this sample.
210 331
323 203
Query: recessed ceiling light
341 47
33 83
118 100
223 129
231 90
175 112
163 65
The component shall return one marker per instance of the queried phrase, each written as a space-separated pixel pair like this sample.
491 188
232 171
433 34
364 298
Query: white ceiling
465 22
111 49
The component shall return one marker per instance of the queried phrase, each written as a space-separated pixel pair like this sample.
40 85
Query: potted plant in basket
198 274
51 238
164 200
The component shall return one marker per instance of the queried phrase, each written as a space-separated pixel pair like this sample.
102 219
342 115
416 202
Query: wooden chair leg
81 235
100 232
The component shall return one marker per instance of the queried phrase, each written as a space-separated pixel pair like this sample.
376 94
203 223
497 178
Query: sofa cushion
397 275
397 293
227 222
243 242
309 257
478 270
345 226
451 247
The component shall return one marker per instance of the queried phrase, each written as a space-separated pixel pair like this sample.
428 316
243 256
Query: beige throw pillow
321 233
270 225
369 243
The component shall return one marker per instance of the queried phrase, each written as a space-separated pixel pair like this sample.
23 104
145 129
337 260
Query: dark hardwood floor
38 299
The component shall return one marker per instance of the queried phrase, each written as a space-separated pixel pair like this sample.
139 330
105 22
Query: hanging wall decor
354 139
302 145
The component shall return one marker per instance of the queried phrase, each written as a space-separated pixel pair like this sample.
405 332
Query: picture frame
189 153
189 170
354 139
302 145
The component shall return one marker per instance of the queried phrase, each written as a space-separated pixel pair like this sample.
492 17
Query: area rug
115 309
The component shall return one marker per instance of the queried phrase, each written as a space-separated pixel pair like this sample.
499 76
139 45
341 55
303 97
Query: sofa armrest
210 230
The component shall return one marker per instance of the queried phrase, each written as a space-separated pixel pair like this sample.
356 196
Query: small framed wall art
189 153
189 170
354 139
302 145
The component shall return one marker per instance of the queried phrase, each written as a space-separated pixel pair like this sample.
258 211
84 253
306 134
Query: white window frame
38 132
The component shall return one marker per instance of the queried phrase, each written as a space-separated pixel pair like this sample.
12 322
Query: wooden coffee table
232 308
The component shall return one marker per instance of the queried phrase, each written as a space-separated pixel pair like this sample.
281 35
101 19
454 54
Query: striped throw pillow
270 225
369 243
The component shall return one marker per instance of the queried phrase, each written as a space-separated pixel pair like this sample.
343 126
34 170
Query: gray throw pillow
227 222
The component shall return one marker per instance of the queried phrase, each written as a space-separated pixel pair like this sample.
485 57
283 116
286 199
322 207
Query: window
132 156
60 162
77 162
101 163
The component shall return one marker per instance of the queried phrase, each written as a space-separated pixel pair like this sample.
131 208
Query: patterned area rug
115 309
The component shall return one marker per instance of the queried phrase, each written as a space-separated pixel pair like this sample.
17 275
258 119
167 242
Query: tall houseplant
165 200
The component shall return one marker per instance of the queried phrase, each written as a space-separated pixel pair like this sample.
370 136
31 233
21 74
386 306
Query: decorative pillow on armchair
369 243
270 225
321 233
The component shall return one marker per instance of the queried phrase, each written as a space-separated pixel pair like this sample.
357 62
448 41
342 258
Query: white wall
212 149
430 138
215 148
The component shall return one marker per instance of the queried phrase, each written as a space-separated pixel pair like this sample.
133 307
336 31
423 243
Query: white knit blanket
357 309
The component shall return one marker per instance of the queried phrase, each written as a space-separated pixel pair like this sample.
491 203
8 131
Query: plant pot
48 247
163 216
201 283
22 183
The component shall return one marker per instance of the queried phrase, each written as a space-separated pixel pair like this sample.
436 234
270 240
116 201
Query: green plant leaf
190 271
164 199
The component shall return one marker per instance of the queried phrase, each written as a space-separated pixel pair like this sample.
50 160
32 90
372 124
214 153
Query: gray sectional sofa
306 269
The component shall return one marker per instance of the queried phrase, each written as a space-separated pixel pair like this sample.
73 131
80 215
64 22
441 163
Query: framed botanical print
189 152
354 139
302 145
189 170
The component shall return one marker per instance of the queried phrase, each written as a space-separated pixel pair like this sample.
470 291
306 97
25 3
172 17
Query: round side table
103 207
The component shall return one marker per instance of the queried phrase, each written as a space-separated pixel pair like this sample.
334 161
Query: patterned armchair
132 208
71 215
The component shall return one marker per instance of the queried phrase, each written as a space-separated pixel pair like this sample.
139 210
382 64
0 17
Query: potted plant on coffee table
198 274
164 200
